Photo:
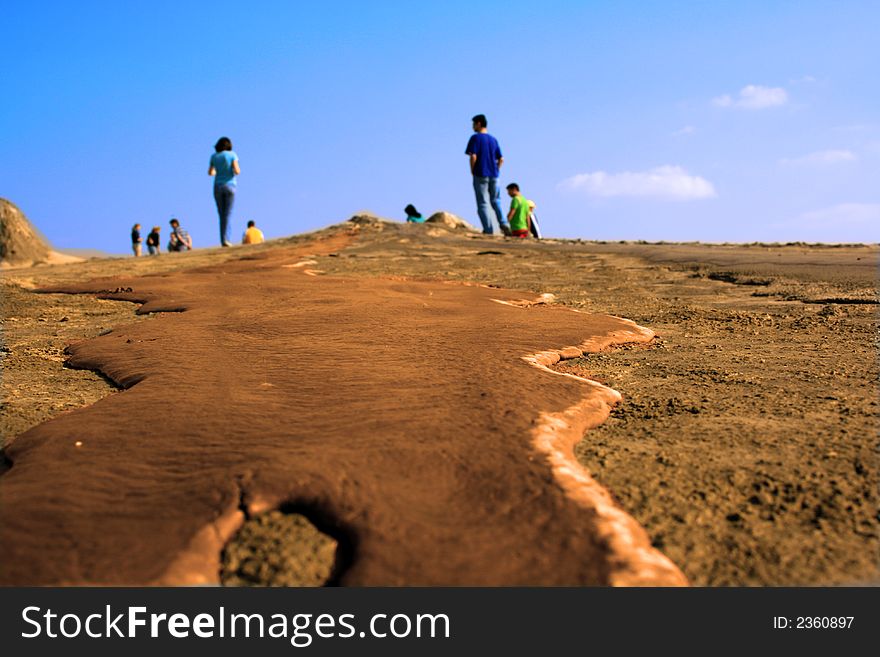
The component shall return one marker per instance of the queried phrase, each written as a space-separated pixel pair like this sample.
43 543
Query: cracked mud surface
746 443
281 388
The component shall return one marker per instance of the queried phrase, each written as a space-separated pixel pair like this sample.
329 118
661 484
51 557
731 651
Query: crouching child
518 216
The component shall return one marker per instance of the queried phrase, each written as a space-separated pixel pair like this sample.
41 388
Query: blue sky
711 121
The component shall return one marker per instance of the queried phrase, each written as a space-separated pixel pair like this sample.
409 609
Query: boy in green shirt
519 212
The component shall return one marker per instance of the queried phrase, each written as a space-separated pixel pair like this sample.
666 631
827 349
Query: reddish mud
406 415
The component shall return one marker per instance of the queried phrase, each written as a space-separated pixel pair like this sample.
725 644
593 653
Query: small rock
449 220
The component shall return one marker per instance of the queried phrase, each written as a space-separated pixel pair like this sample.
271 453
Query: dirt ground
746 441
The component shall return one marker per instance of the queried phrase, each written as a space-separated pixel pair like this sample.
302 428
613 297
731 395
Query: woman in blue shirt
224 167
413 216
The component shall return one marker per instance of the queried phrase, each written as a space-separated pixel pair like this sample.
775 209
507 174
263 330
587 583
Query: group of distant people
485 158
179 240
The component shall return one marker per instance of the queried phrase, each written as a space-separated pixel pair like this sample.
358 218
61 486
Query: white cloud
804 79
822 157
686 130
667 182
754 97
844 214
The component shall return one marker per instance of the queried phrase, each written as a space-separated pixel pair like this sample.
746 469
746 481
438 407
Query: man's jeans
224 195
488 195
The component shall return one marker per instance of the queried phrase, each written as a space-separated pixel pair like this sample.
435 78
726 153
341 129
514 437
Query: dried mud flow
746 441
404 413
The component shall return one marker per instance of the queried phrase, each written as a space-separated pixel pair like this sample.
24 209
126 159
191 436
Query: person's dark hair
411 211
251 224
174 221
481 119
513 186
223 144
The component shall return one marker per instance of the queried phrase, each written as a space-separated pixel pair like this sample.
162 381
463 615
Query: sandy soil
745 444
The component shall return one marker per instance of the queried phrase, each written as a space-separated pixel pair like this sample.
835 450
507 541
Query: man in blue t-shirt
485 158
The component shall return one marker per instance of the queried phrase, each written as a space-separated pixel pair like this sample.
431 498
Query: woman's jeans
224 195
488 195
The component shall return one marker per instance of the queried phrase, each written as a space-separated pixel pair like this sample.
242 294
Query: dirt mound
449 220
370 219
20 243
440 219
